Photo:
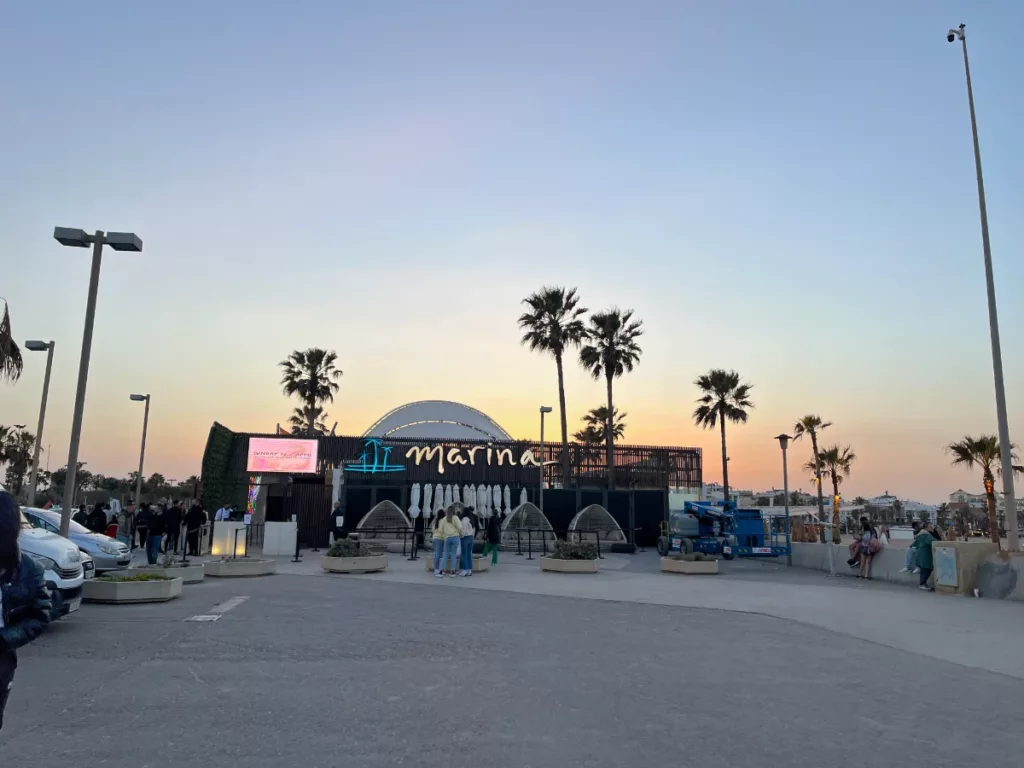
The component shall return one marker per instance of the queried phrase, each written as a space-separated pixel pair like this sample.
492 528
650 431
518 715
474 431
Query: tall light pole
142 451
784 442
39 346
1013 544
540 493
77 238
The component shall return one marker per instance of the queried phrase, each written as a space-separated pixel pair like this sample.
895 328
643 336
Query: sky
786 189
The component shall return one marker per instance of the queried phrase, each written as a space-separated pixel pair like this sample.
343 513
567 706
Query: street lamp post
142 451
784 442
540 493
1005 450
77 238
39 346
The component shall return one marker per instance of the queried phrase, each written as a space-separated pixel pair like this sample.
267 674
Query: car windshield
54 519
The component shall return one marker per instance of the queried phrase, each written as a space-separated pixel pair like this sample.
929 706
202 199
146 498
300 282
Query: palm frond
11 363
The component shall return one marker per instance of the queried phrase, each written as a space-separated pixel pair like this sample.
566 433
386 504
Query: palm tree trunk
836 536
821 498
990 498
725 461
565 424
608 436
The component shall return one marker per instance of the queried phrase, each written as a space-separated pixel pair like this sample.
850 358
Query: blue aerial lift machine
723 529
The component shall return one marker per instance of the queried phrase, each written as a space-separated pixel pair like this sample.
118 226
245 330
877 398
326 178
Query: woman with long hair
450 530
868 546
438 539
24 601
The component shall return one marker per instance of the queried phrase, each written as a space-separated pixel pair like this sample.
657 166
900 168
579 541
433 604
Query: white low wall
885 566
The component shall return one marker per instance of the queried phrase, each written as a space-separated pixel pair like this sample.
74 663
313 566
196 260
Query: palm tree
299 421
552 325
10 355
312 376
835 463
983 452
812 425
611 350
724 399
594 425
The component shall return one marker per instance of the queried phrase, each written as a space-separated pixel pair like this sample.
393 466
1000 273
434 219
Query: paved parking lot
316 670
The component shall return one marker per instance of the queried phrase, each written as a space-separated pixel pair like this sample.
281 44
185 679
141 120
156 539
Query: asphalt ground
335 671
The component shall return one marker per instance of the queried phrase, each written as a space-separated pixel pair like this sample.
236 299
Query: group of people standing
159 529
453 539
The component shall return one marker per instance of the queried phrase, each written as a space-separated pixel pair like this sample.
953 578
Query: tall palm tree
983 452
312 376
812 425
610 351
299 421
10 355
594 424
724 399
553 324
836 464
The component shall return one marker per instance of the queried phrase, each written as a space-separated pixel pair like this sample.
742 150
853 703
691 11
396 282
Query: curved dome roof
437 419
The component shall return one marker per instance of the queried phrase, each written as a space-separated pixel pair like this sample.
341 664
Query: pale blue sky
784 188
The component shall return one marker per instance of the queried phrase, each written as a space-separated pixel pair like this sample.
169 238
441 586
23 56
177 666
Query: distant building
714 492
972 500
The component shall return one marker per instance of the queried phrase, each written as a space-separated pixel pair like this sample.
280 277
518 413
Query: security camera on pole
1005 447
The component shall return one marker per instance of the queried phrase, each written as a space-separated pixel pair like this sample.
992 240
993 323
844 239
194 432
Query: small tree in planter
571 557
351 556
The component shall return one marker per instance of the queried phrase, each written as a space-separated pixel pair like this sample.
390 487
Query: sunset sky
784 188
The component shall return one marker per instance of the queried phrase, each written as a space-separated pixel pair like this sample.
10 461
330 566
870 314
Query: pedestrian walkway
975 633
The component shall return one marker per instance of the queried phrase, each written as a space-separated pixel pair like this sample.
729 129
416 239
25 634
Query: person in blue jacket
24 599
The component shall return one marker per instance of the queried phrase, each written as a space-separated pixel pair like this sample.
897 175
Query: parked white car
62 561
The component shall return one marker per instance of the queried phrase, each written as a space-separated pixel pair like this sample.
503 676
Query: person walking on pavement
24 600
156 535
195 519
172 524
493 538
924 558
142 521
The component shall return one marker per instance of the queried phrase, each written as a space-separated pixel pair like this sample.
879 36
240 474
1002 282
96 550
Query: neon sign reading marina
375 457
457 455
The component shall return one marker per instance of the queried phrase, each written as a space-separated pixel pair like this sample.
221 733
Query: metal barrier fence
254 535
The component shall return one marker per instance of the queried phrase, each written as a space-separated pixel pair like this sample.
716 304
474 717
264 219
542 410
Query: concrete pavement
628 667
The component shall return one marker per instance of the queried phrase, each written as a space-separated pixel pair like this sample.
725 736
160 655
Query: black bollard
297 558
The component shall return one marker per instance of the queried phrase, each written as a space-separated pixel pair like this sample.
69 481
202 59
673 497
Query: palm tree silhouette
835 463
983 452
310 374
812 425
724 399
552 325
611 350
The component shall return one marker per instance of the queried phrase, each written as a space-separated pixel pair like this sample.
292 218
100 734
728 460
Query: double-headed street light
142 451
1005 447
540 494
39 346
77 238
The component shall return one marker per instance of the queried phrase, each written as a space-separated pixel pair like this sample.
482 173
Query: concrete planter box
160 591
694 567
368 564
480 563
240 568
190 574
568 566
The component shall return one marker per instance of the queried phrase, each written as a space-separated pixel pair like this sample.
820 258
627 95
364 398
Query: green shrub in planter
692 557
135 577
572 550
348 548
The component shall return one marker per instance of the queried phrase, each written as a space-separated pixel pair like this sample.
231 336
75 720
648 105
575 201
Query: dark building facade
372 469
